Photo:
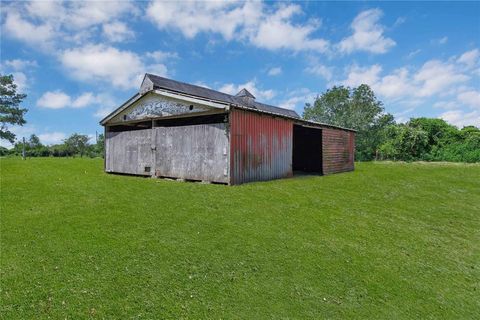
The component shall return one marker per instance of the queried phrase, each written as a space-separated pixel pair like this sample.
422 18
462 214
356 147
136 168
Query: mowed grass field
388 241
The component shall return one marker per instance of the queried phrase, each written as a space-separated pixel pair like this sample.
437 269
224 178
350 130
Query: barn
177 130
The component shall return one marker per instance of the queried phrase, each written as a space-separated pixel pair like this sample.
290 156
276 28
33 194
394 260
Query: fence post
23 149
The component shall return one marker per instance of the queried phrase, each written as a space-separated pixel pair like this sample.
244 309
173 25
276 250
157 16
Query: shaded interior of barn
307 150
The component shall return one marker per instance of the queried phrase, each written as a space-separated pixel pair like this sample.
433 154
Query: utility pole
23 149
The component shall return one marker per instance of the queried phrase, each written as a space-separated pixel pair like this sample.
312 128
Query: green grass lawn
386 241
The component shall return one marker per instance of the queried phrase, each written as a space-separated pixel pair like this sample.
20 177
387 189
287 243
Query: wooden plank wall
196 152
128 151
338 150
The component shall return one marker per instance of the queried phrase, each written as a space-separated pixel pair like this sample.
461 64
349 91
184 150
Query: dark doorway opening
307 149
189 121
130 126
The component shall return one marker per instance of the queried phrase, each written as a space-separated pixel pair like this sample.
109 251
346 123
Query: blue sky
79 60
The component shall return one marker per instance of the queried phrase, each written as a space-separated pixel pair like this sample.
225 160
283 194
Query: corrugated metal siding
260 147
338 150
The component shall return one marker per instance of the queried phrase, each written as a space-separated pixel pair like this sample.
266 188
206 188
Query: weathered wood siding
197 152
128 151
338 150
261 147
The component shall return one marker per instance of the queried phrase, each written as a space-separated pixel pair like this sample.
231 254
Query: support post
23 149
153 148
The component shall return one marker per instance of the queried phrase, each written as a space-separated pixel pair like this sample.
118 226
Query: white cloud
45 9
275 71
441 84
399 21
86 14
50 138
362 75
470 58
202 84
123 69
160 56
461 118
276 31
403 116
84 100
19 64
193 17
470 98
367 34
58 100
296 99
76 15
396 84
54 100
433 78
251 86
251 21
104 111
445 105
291 103
413 53
21 81
440 41
50 25
117 32
17 27
320 70
437 76
18 68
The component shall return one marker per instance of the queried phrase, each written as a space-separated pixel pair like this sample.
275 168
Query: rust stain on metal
338 150
260 147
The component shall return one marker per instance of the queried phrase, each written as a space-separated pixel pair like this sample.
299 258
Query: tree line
379 137
76 145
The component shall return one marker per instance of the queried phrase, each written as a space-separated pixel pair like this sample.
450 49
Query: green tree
76 144
10 111
35 148
100 145
34 142
4 151
404 142
356 108
438 130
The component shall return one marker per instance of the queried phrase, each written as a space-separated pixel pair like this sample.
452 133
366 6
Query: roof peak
245 93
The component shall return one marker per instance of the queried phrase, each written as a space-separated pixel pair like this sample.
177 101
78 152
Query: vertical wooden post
153 148
105 128
23 149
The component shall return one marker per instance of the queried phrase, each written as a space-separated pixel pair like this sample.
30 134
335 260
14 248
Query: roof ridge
188 84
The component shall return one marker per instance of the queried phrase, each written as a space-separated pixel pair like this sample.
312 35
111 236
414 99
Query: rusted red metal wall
260 147
338 150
